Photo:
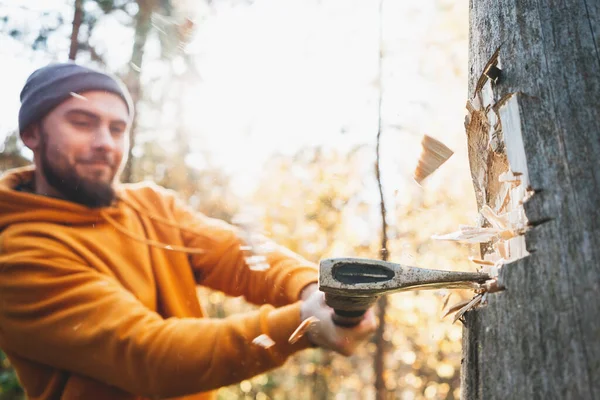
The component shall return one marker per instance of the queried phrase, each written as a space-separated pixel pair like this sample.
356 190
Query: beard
75 188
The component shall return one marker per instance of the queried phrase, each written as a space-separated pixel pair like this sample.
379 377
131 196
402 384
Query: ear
32 137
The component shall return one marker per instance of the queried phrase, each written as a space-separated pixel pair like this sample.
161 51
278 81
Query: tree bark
77 19
534 137
380 344
143 24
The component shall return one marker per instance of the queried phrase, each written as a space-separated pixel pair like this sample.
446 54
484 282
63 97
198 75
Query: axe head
352 285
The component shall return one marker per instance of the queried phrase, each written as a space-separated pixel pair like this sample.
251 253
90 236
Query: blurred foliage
9 385
11 152
312 203
318 202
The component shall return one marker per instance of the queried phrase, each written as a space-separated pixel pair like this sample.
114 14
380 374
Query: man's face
81 146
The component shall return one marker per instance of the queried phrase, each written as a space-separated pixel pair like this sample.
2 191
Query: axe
352 285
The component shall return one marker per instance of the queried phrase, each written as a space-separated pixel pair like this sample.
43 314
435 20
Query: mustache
100 158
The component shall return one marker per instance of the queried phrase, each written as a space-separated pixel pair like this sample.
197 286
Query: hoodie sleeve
59 312
223 266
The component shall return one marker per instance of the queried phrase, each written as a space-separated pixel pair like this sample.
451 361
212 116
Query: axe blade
352 285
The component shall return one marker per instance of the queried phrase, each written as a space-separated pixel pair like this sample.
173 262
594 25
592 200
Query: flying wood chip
471 304
483 263
470 234
263 341
301 329
433 155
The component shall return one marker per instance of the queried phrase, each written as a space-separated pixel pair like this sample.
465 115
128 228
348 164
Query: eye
81 123
117 131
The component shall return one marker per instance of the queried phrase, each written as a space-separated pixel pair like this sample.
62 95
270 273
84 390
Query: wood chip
473 234
446 300
259 267
263 341
491 286
474 301
501 248
497 221
481 262
484 298
257 263
302 328
433 155
510 177
469 234
455 307
492 270
78 96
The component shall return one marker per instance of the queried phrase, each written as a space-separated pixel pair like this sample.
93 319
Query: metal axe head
352 285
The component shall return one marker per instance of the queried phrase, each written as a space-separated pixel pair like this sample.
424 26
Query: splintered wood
470 234
502 228
433 155
462 307
263 341
302 329
489 267
480 297
500 177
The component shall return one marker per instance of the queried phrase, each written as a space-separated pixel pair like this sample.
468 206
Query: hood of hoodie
19 206
24 207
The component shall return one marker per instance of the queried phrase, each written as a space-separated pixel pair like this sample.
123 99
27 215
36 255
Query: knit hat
49 86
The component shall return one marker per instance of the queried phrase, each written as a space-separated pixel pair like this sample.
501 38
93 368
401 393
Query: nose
103 140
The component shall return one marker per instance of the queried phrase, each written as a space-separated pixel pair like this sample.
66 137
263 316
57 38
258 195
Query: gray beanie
49 86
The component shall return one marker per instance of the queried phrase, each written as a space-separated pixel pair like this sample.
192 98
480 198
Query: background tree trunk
143 24
380 343
540 121
77 19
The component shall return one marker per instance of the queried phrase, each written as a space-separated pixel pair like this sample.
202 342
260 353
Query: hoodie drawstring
150 242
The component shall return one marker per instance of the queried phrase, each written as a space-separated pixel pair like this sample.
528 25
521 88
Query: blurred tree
378 360
49 23
142 26
11 152
35 35
173 34
305 199
77 19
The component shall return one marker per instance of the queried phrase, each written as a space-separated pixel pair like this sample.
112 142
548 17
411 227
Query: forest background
268 112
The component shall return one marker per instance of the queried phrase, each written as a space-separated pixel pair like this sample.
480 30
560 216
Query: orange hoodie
102 304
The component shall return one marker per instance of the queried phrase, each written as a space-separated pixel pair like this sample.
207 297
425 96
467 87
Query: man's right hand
328 335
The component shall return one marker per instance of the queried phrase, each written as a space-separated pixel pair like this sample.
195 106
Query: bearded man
98 279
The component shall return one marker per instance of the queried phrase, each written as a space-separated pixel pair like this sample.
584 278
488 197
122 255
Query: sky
278 75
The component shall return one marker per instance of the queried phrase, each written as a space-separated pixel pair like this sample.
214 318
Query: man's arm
223 266
290 278
59 312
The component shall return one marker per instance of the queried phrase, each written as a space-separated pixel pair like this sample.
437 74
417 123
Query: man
98 279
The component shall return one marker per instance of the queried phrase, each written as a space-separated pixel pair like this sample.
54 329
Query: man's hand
326 334
308 290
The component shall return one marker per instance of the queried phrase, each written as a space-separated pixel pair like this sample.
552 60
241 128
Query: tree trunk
380 343
534 145
77 18
143 24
